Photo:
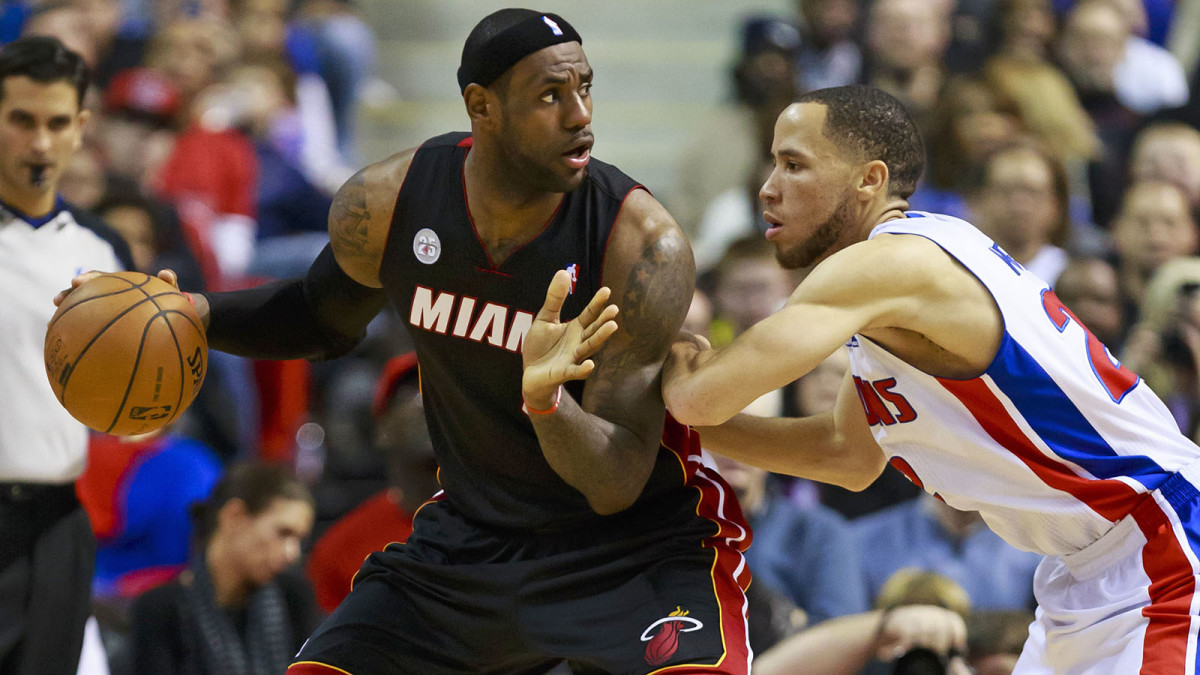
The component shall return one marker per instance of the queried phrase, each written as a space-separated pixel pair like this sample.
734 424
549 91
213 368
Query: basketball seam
137 363
178 352
59 315
62 399
178 349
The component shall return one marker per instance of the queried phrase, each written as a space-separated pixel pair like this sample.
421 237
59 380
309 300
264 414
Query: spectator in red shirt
401 435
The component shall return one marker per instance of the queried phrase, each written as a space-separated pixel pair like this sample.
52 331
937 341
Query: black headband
486 64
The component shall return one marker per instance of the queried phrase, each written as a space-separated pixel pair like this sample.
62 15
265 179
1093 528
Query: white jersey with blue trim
1054 443
39 440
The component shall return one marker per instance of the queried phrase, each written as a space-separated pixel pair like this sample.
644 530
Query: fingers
581 371
934 628
595 307
79 280
556 295
606 316
170 277
593 343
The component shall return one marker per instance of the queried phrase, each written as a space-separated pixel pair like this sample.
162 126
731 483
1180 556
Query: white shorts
1127 603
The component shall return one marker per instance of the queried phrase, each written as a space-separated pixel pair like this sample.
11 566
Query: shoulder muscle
361 216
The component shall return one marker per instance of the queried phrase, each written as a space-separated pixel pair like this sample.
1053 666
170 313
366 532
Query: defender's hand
554 352
687 353
166 275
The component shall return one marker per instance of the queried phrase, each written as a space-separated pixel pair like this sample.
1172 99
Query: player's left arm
605 445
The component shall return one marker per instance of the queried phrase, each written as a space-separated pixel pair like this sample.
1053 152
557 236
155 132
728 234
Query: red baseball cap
397 372
144 94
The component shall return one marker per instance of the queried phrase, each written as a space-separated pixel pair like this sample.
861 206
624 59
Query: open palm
555 352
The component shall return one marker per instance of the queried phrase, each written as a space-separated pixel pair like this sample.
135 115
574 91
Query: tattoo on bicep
350 215
653 304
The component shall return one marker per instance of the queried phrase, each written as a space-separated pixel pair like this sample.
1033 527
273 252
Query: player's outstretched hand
933 628
554 352
80 279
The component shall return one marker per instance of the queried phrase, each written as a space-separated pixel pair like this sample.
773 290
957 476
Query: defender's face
547 104
41 126
807 198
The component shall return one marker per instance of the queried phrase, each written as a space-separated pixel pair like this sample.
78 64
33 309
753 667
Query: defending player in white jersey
975 381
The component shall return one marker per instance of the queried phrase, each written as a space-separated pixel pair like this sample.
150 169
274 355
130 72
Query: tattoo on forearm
350 216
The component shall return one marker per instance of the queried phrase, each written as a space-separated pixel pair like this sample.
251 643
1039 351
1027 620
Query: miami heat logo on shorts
663 635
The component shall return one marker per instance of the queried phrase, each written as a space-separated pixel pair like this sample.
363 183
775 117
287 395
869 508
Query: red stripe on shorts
1172 586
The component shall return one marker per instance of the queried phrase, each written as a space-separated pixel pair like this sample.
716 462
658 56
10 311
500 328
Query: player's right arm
834 447
324 314
869 285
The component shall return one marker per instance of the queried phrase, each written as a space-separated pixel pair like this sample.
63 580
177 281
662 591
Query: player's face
546 132
41 126
269 542
807 198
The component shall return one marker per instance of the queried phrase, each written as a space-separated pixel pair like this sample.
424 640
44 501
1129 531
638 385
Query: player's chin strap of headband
491 59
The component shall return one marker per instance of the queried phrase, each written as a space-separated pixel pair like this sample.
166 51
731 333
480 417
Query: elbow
690 408
865 471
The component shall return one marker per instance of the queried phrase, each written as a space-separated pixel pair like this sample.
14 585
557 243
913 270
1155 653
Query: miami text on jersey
434 312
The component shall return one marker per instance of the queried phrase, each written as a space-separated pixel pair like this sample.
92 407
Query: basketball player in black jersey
574 524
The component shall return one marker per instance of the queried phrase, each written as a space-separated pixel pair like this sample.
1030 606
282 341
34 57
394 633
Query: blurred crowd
1064 129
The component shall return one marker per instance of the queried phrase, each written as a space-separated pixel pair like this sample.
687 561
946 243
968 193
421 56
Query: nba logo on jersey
573 270
553 25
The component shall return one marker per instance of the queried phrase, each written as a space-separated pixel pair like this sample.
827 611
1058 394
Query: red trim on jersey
607 241
387 239
490 271
730 574
467 142
1110 498
1172 587
314 668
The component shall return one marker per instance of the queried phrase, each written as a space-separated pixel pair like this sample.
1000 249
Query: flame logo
664 642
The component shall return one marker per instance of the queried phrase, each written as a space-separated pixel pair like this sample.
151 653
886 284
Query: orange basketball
126 353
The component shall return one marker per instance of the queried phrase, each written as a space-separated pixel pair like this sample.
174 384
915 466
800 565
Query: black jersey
468 316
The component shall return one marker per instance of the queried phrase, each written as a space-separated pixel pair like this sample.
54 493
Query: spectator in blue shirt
804 553
927 534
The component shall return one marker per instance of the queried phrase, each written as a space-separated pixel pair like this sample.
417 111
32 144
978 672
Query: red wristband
530 411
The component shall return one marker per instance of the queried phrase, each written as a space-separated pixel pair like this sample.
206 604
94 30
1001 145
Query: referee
46 543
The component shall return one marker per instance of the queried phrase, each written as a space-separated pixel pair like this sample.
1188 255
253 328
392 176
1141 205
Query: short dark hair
256 484
874 125
44 60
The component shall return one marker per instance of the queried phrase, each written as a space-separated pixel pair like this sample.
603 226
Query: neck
230 588
33 202
889 208
501 208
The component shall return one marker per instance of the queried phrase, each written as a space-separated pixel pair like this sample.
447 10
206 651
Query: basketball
125 353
